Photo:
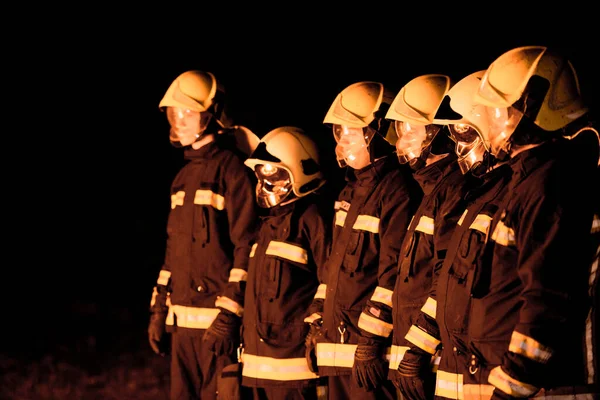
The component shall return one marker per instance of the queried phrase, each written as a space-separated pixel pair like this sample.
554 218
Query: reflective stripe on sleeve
374 325
422 339
177 199
429 307
321 290
288 251
481 223
529 347
504 235
229 305
237 275
163 277
383 296
253 250
510 385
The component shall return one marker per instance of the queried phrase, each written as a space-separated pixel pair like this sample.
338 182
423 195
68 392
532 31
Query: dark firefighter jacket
283 278
372 213
430 229
210 230
445 319
529 309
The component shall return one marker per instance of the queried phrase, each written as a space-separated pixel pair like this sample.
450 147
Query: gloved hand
223 335
414 377
370 367
157 334
311 345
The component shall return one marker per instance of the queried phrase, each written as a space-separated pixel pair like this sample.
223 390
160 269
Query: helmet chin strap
203 140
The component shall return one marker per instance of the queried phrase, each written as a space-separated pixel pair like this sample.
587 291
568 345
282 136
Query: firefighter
527 333
428 149
198 297
441 325
292 243
352 331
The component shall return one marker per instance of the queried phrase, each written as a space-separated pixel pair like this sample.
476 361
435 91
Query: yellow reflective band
449 385
422 339
462 217
429 307
229 305
481 223
367 223
504 235
209 198
374 325
154 294
596 224
478 392
425 225
339 355
321 290
163 277
396 355
191 317
340 217
510 385
253 250
237 275
177 199
288 251
276 369
312 318
382 295
529 347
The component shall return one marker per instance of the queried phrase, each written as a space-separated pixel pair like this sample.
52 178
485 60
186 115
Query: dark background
93 174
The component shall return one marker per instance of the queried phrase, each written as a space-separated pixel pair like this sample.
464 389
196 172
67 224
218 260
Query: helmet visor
186 125
412 139
274 184
352 145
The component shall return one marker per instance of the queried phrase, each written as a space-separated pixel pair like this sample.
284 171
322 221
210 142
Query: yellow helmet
193 90
357 116
286 162
509 77
413 111
356 106
467 122
418 100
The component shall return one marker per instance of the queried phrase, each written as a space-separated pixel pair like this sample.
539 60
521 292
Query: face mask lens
274 185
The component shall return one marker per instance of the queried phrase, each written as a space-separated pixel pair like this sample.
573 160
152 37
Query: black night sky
90 239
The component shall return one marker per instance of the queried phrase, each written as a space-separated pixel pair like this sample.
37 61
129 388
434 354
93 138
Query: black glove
311 345
223 335
157 335
414 377
370 367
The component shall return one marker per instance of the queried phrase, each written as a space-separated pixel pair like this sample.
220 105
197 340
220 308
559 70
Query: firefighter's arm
553 233
317 230
242 215
397 209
